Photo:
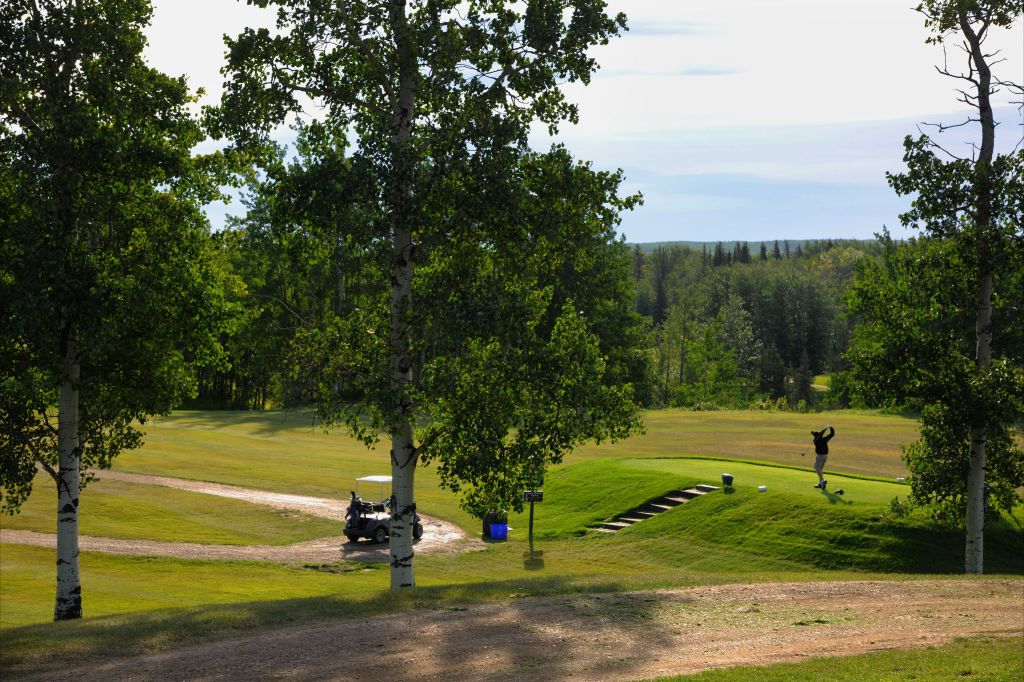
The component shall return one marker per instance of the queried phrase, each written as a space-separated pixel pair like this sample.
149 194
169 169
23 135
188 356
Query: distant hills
648 247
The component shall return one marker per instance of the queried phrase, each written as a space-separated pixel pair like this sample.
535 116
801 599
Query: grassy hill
791 532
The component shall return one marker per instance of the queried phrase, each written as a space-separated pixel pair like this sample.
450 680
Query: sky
738 120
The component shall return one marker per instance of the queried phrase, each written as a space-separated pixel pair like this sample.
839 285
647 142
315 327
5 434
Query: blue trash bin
499 531
727 479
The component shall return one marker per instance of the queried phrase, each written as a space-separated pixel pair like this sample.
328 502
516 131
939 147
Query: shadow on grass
265 423
834 497
38 648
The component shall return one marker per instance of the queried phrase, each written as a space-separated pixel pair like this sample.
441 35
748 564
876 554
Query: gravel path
438 536
314 506
625 636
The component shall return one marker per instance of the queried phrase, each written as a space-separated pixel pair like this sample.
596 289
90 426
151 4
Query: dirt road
625 636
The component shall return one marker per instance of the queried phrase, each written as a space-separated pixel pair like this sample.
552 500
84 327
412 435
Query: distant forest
718 325
738 324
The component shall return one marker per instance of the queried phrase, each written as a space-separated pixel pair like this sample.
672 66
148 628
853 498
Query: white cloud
768 97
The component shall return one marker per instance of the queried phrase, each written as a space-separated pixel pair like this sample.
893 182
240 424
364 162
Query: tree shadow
118 640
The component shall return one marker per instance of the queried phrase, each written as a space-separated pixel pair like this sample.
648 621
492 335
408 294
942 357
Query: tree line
728 329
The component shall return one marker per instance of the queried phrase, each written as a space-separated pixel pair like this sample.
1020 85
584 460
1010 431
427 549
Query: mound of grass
992 659
793 523
796 522
579 496
116 509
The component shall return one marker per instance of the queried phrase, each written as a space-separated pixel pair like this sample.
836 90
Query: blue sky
742 120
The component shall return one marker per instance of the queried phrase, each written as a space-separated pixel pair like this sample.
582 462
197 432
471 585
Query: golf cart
372 520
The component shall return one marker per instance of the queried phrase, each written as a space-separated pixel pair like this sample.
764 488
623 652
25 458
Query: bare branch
18 113
936 145
943 127
47 468
283 305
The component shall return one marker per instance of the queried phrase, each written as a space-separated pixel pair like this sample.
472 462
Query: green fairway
285 451
280 450
866 443
989 659
791 532
116 509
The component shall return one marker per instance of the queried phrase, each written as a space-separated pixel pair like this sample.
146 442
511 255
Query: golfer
821 452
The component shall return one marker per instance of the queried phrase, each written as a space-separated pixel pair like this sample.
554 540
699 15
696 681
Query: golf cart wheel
352 538
417 531
380 536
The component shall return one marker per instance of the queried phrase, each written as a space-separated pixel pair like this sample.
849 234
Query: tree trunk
69 588
403 450
974 554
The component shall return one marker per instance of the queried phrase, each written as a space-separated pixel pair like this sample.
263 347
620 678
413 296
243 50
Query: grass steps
655 507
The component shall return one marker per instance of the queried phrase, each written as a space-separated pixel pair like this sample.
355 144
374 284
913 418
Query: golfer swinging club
821 452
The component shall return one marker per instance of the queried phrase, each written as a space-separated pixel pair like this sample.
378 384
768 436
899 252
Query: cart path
596 637
314 506
438 536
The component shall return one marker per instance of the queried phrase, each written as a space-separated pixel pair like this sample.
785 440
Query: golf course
740 558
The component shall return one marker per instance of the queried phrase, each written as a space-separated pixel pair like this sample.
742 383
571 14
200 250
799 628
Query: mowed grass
866 443
279 450
135 604
984 659
117 584
285 451
116 509
792 523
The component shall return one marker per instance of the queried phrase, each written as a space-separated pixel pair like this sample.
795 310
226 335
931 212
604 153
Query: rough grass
116 509
987 659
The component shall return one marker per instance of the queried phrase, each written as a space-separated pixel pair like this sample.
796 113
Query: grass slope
116 509
792 532
792 523
981 659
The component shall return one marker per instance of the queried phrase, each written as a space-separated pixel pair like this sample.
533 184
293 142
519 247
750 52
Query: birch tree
102 290
436 97
976 203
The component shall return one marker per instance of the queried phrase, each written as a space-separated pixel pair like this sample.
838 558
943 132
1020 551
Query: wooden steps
655 507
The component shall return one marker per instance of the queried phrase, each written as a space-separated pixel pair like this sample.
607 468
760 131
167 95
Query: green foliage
944 17
479 290
913 347
939 462
779 319
103 236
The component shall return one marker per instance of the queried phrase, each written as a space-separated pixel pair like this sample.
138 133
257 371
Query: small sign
533 496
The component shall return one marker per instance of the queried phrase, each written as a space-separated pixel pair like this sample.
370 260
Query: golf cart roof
374 479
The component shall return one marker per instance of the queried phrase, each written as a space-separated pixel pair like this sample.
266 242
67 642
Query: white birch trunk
974 550
403 449
69 589
975 541
403 470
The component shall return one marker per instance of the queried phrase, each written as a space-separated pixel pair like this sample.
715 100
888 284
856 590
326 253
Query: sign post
532 496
